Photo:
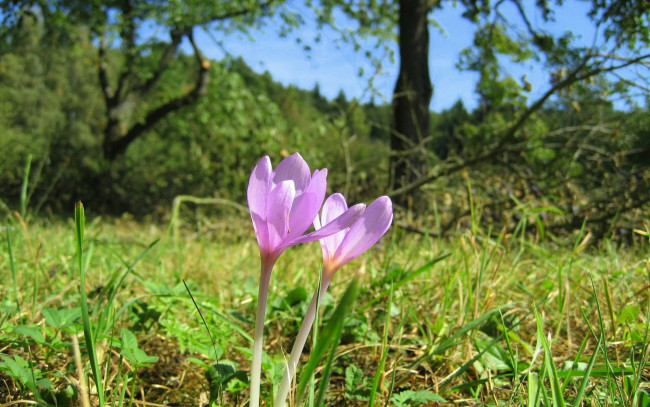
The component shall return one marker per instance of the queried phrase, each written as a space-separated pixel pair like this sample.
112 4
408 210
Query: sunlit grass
478 319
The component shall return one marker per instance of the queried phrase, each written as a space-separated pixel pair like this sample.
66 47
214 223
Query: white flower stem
256 367
299 344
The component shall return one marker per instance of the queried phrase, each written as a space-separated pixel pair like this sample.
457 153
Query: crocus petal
261 232
306 206
333 207
259 185
293 168
277 213
258 189
342 222
366 231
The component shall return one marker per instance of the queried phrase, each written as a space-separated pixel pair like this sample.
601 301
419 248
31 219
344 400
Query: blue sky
335 65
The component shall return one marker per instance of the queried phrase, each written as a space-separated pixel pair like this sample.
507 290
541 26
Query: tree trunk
411 99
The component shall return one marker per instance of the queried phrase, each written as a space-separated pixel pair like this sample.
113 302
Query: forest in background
575 158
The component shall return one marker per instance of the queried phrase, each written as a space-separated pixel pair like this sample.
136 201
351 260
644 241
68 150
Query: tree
411 96
498 36
138 41
50 110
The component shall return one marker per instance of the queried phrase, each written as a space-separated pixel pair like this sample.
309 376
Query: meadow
516 271
165 316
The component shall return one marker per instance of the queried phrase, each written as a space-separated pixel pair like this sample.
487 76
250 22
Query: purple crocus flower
338 249
344 246
283 204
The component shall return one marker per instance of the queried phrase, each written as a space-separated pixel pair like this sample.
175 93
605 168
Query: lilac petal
277 212
293 168
259 185
366 231
306 206
261 232
342 222
333 207
258 190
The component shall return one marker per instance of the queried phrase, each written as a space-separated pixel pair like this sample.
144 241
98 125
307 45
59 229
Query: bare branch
631 83
510 134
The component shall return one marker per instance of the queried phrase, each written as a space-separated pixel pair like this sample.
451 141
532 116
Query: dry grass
603 287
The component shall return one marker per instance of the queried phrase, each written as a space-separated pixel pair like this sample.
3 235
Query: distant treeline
579 156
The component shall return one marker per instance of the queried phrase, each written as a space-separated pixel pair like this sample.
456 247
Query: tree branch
237 13
127 34
163 63
200 87
102 70
510 134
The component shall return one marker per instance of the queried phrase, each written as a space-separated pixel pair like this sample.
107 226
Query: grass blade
79 220
12 265
384 352
533 390
23 188
330 336
314 338
405 279
549 365
325 378
585 380
115 284
455 340
205 324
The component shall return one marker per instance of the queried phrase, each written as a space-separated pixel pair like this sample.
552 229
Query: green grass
478 319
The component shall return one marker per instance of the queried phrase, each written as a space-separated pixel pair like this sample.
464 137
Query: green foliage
356 385
131 351
24 373
458 327
48 108
328 340
224 376
67 318
573 156
203 150
410 398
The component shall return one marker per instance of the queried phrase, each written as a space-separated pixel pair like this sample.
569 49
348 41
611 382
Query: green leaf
16 367
61 318
129 340
356 384
296 296
644 398
533 390
138 357
629 314
549 365
495 356
221 375
44 383
353 378
411 398
31 332
330 336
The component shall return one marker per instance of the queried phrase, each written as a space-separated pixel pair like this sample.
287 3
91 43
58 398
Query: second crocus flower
338 249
